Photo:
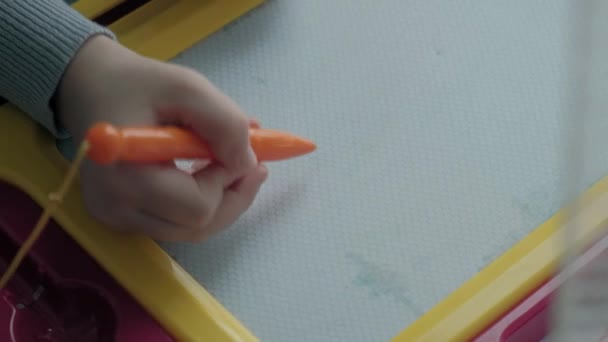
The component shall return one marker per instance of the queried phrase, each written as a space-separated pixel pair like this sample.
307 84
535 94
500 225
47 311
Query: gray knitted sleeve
38 39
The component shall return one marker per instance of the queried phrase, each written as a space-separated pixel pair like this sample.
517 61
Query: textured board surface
439 132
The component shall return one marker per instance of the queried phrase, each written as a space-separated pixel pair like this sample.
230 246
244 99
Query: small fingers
188 202
165 191
236 200
211 182
170 205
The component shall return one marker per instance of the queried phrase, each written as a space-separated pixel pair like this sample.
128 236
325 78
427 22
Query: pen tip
271 145
306 146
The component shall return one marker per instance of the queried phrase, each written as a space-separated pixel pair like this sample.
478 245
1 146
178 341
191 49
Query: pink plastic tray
530 319
60 293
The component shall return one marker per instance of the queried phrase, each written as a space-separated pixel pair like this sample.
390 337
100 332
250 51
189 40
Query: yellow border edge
486 296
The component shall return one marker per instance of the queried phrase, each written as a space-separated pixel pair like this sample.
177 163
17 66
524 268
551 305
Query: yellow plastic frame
486 296
160 29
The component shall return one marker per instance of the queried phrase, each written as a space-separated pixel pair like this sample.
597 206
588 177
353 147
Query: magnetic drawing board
439 133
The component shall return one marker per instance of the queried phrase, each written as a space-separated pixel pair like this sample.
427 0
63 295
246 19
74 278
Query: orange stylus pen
106 144
109 144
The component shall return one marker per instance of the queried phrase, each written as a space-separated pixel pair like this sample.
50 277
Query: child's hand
107 82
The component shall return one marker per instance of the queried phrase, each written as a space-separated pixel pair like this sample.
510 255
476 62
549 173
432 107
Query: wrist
86 79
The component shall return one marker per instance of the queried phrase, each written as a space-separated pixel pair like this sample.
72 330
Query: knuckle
200 215
240 124
185 83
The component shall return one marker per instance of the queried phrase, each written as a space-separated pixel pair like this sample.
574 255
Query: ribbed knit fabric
38 39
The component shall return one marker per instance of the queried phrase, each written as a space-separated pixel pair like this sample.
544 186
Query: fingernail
253 123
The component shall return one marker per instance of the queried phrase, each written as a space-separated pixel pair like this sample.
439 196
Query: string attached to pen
55 200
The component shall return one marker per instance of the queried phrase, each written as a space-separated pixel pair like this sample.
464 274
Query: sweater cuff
38 39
